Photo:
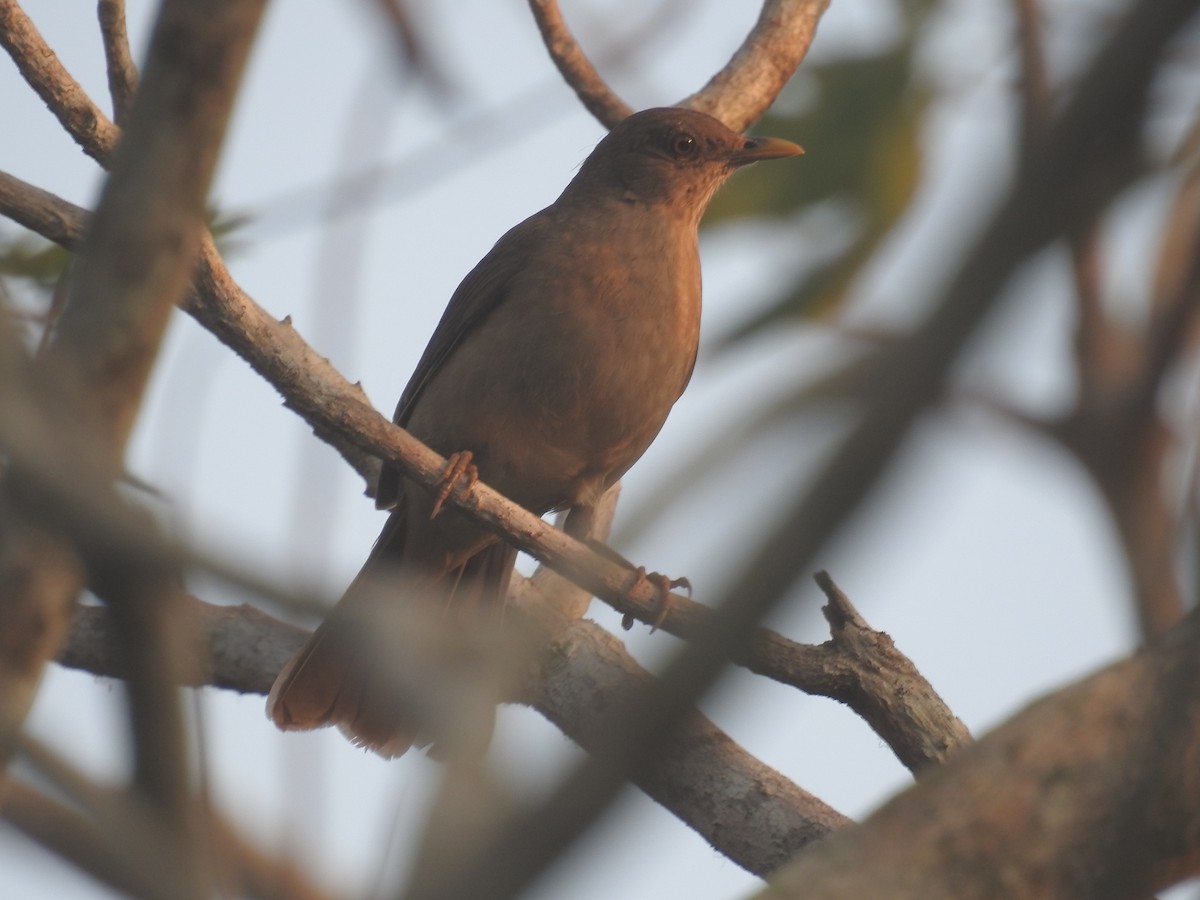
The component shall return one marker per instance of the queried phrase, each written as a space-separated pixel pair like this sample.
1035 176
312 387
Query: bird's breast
565 384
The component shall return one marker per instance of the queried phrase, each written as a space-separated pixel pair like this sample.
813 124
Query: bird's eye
683 145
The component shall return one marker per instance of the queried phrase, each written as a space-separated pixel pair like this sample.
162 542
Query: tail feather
332 680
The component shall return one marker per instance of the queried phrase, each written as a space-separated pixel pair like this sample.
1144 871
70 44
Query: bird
552 369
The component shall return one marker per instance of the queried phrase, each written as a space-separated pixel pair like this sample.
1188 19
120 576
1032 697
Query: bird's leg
665 585
579 525
460 472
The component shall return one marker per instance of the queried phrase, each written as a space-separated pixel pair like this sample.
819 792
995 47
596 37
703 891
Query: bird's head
672 156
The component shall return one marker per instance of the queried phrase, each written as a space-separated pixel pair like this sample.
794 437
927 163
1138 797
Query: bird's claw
460 472
664 585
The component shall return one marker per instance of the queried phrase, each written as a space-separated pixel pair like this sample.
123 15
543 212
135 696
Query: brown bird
552 369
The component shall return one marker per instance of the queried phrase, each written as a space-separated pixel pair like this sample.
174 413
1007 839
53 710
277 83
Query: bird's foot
665 585
460 473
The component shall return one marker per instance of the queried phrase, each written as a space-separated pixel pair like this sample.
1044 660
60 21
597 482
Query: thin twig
574 66
122 73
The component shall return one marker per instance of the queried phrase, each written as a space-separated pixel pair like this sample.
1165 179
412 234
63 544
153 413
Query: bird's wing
480 292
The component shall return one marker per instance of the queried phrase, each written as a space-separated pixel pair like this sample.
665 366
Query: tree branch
40 67
122 73
582 679
1093 791
574 66
741 92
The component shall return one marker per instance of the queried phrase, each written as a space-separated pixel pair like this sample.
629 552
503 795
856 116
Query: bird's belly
571 404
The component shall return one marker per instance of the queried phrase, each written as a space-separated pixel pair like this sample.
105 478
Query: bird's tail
339 678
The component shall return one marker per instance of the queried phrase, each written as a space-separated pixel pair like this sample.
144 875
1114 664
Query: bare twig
890 688
122 73
756 817
576 69
40 67
145 233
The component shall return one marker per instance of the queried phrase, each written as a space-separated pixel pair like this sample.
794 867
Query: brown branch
1035 84
40 67
582 677
1093 791
586 682
114 842
102 853
122 73
145 232
738 95
888 689
576 69
742 91
135 262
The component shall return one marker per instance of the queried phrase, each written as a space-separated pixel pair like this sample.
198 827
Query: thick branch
134 264
582 679
741 92
142 241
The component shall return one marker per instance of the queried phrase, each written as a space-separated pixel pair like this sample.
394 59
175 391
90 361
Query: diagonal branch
574 66
66 99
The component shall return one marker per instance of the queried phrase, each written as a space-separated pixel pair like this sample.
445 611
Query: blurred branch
1100 798
1092 152
576 69
134 263
122 73
449 152
1035 84
113 840
413 48
744 809
101 852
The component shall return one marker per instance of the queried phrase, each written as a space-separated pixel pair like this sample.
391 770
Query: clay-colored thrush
552 369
